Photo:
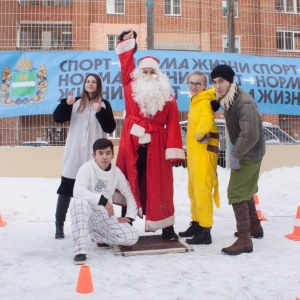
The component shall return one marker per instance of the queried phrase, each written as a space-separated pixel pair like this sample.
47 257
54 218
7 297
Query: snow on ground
35 266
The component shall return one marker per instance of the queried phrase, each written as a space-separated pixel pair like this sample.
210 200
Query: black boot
244 243
202 238
194 229
256 230
169 234
59 233
62 206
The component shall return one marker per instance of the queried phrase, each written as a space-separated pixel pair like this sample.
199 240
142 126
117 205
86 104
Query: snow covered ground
35 266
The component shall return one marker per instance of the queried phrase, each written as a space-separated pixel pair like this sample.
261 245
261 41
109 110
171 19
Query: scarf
228 99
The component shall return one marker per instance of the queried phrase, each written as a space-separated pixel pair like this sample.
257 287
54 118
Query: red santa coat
165 144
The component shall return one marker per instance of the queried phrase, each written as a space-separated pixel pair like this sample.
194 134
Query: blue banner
34 82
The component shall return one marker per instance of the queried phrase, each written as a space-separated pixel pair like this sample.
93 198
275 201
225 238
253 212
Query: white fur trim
148 62
154 225
146 138
137 130
125 46
174 153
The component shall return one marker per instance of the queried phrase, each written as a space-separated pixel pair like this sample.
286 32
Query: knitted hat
223 71
148 62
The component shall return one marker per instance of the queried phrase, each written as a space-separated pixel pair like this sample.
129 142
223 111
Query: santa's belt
143 128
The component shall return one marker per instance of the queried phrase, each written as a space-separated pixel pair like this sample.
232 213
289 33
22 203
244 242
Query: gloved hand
125 32
204 140
234 163
215 105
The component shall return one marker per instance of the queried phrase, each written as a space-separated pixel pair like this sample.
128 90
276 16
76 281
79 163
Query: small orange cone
85 288
258 211
296 233
2 223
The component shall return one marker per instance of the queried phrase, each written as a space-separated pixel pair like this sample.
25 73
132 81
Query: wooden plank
153 244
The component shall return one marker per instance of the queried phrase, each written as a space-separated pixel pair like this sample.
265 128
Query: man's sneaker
80 259
169 234
103 245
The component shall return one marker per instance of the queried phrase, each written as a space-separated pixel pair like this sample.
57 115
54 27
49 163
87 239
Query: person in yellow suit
202 142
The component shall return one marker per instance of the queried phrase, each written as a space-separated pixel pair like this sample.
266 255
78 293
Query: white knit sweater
92 182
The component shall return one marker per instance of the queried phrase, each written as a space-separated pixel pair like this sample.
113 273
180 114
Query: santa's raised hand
71 99
97 106
128 34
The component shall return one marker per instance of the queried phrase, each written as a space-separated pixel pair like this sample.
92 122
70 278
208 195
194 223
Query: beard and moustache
150 92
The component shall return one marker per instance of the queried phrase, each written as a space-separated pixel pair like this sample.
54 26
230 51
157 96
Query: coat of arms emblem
24 85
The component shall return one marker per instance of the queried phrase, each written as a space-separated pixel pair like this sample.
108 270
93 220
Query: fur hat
148 62
223 71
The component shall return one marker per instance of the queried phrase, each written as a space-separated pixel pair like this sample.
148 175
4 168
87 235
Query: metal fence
259 28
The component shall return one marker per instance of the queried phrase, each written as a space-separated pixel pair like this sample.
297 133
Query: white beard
150 92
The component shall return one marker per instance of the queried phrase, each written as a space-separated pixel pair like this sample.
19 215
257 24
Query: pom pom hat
148 62
223 71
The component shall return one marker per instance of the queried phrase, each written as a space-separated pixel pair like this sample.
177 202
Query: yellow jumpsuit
202 163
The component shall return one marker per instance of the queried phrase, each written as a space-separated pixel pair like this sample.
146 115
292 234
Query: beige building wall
99 32
47 161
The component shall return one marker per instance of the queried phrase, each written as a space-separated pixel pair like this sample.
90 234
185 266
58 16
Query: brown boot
256 230
255 226
244 243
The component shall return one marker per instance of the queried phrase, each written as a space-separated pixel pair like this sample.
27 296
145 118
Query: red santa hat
148 62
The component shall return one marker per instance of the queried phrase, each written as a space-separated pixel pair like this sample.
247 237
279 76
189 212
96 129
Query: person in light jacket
90 117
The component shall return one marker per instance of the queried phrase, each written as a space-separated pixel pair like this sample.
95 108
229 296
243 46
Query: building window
112 40
224 8
46 2
29 2
115 6
236 44
45 36
173 7
288 40
117 133
288 6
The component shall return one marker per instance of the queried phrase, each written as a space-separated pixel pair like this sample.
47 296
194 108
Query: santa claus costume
150 139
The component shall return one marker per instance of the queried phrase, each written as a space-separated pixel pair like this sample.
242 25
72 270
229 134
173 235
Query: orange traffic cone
2 223
258 211
296 233
85 288
298 294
